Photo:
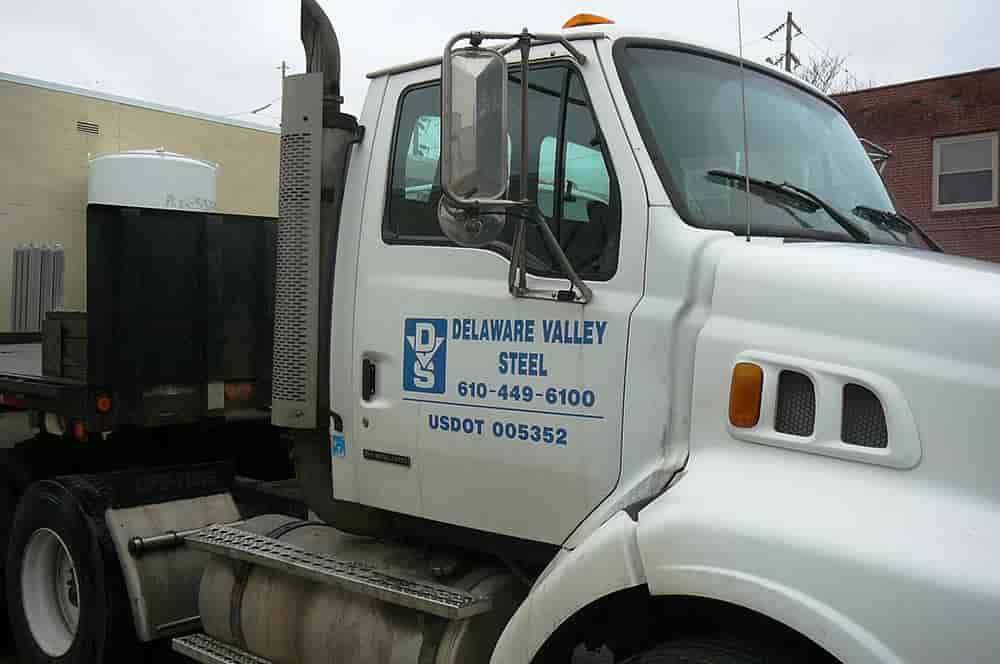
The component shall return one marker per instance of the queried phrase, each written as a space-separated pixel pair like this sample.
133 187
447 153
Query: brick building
943 135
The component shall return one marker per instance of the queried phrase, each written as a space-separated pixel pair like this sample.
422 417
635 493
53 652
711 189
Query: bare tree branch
829 73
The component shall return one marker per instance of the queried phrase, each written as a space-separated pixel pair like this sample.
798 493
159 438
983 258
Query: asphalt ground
158 654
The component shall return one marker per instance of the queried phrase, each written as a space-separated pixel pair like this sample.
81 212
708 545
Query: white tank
152 179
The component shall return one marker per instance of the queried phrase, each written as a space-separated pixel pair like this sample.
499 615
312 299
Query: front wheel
64 591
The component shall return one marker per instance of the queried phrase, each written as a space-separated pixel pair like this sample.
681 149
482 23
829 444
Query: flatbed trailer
178 327
24 386
159 392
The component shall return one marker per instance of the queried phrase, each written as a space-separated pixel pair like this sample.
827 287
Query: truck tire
8 501
722 650
65 595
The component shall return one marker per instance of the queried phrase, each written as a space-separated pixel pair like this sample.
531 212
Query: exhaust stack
315 144
316 139
322 50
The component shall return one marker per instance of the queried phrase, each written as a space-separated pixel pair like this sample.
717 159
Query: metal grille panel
291 316
863 421
796 413
36 285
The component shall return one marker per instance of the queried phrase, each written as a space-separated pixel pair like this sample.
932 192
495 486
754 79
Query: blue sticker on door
425 349
338 446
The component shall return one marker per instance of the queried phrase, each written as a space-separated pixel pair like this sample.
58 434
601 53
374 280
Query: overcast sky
221 56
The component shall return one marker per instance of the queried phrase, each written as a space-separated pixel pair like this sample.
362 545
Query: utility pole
788 58
788 42
284 67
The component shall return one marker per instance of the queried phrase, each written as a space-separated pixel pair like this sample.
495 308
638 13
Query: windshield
688 107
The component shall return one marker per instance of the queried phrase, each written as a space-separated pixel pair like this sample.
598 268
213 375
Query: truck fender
604 563
667 537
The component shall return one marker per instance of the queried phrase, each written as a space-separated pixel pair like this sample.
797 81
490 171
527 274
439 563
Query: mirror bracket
541 39
517 275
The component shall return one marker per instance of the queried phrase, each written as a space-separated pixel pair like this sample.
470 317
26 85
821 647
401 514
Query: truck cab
704 418
528 417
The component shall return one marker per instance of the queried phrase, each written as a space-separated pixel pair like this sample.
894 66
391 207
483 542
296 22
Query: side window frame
391 237
389 233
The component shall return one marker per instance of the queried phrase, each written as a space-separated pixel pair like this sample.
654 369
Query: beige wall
43 169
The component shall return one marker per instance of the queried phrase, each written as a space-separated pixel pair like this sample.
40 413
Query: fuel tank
289 619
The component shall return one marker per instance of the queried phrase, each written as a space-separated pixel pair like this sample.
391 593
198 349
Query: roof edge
942 77
432 61
129 101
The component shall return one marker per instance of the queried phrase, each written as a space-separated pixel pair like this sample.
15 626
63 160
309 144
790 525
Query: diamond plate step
203 648
433 598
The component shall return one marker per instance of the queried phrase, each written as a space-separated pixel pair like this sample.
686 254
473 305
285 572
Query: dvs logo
425 347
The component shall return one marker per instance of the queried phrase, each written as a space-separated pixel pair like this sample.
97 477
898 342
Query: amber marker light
80 430
586 19
104 404
745 395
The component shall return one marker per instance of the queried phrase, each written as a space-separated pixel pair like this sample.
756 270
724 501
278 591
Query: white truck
578 369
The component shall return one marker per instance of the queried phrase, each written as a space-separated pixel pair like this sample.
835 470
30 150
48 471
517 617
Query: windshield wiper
903 223
853 229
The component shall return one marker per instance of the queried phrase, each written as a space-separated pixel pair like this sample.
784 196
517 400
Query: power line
284 68
254 111
828 52
814 43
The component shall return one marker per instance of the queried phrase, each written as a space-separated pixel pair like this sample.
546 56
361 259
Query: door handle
367 379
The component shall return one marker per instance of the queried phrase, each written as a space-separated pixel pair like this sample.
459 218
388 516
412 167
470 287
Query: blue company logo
425 345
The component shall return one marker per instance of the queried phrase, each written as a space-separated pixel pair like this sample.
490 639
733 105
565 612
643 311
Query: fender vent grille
796 412
863 421
291 315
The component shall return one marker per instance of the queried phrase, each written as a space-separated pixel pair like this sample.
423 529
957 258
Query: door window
565 154
422 158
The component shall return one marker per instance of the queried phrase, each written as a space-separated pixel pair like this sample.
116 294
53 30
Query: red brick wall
905 119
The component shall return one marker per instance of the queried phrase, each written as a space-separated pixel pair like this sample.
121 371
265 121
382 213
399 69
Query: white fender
604 563
844 554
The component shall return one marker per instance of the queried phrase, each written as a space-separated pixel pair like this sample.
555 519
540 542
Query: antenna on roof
743 107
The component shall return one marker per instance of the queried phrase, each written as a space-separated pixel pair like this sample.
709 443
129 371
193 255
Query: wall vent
796 412
863 421
88 127
36 285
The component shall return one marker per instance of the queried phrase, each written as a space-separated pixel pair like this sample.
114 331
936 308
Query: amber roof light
586 19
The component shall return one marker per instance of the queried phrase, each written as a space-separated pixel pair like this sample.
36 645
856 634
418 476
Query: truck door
476 408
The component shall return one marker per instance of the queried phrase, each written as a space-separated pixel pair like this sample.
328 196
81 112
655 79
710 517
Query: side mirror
474 158
475 153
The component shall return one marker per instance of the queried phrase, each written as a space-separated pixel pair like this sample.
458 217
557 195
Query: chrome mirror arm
580 293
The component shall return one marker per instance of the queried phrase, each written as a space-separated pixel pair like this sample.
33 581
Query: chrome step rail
433 598
203 648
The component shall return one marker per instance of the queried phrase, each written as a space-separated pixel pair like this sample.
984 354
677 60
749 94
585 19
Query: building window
965 172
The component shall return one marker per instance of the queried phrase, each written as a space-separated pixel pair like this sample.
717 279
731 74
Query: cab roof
613 32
